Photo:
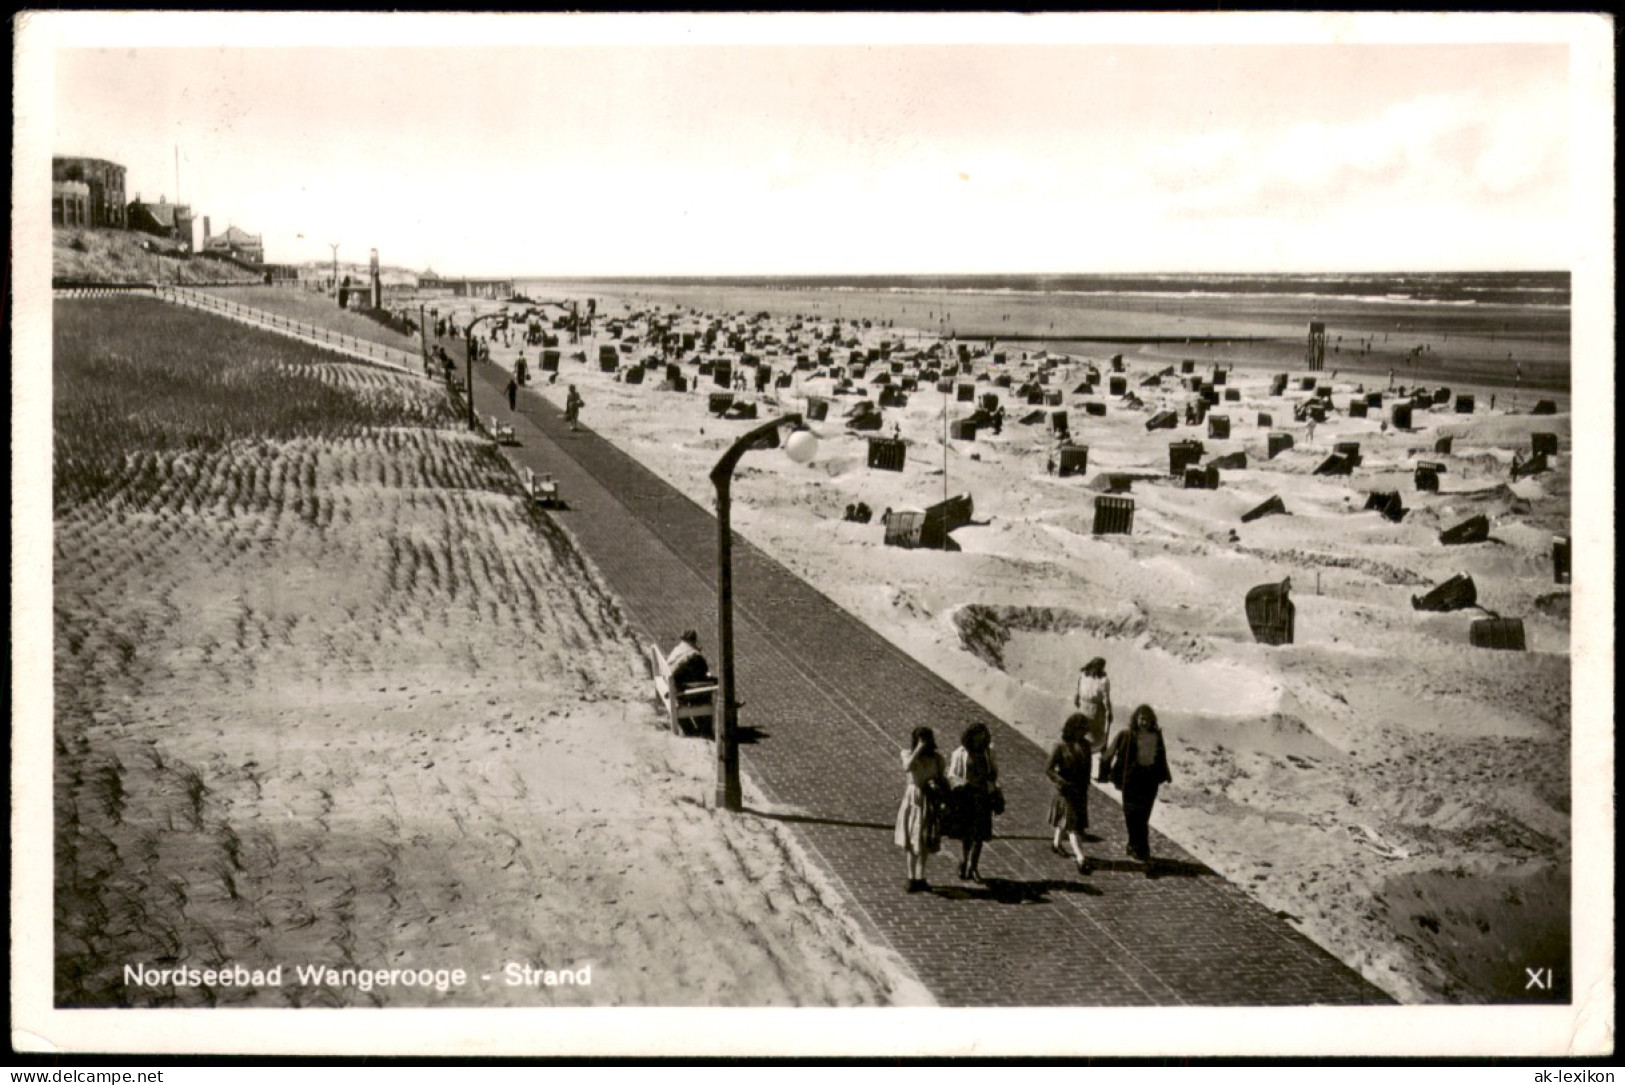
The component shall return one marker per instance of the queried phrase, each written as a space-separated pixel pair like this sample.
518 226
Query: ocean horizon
1543 289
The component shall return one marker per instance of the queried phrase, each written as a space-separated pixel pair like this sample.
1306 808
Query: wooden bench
502 433
543 489
687 709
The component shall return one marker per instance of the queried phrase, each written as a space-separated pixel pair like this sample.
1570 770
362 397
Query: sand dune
346 701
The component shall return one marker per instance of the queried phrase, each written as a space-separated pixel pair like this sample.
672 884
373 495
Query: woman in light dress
1094 700
919 818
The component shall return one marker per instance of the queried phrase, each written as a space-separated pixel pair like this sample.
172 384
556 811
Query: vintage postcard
794 535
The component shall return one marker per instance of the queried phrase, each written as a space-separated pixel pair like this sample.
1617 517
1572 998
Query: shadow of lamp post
801 446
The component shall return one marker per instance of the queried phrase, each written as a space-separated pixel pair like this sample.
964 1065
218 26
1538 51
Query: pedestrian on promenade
919 818
973 775
1068 770
572 407
513 393
1094 699
1139 767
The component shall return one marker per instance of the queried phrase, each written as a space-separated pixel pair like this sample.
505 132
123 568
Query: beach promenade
827 706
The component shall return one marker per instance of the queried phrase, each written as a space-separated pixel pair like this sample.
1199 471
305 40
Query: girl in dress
1068 770
919 817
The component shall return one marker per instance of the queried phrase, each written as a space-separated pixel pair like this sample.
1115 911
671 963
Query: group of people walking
959 797
956 798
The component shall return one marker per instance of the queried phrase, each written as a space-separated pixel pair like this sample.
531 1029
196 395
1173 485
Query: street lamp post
947 383
468 365
468 373
423 336
800 447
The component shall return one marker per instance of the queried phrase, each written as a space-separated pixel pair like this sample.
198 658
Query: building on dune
236 243
70 203
87 192
162 219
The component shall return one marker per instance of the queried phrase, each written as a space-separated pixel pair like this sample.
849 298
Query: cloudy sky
527 146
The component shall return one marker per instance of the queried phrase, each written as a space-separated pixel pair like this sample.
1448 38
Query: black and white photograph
916 516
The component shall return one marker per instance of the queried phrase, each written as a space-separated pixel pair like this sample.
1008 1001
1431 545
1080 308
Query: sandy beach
1267 358
1399 795
1463 344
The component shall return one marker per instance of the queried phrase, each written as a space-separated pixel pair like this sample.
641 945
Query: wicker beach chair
1270 613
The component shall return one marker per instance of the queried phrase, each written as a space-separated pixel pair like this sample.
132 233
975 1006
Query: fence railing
76 288
364 349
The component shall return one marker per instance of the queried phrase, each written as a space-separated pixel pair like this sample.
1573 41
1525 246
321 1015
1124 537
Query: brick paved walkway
834 702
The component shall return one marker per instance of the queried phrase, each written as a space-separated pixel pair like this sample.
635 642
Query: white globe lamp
801 446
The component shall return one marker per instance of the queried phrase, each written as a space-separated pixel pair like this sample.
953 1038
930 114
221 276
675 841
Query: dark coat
1127 774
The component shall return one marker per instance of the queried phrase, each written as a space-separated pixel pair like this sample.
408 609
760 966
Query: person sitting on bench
686 665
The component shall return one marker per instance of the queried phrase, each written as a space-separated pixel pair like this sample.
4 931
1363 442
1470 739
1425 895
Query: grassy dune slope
318 309
329 692
118 256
